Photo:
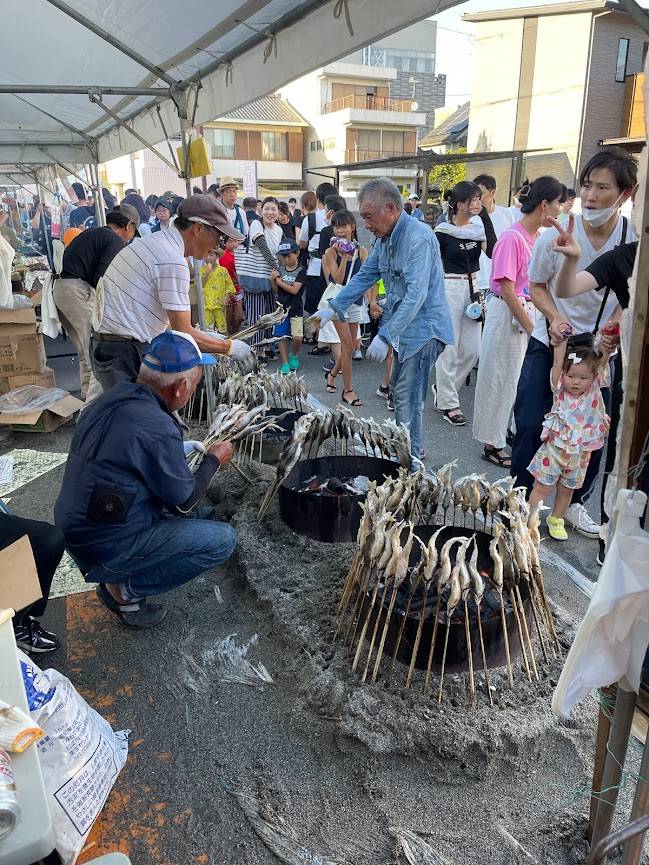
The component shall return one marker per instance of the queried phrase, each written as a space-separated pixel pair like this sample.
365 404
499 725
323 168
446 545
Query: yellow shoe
556 528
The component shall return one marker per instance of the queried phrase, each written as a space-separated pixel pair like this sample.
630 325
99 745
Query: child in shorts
575 426
289 285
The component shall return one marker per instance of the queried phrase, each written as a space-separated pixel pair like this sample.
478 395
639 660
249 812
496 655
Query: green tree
445 176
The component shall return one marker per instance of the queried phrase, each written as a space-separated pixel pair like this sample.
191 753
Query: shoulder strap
607 290
312 231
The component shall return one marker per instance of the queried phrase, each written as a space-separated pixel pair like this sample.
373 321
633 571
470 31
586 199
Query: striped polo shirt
143 281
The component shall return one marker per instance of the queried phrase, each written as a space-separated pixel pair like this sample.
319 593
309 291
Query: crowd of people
531 293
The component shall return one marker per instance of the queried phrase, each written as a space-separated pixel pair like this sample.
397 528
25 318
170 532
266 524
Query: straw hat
228 181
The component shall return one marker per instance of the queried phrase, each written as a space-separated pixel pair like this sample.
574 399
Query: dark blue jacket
126 463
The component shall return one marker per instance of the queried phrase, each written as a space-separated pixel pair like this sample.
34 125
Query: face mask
596 218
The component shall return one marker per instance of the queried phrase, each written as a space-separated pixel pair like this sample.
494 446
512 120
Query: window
393 143
316 145
329 144
622 58
645 48
221 142
274 145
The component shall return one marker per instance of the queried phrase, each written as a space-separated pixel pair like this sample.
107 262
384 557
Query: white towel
50 324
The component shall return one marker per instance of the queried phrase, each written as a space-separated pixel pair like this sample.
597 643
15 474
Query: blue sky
454 44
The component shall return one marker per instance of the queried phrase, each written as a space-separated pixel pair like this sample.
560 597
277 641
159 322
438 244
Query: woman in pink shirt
510 318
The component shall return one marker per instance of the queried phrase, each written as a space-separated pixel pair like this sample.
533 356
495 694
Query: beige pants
75 301
456 361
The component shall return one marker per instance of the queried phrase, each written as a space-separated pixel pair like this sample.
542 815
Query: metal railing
356 155
368 103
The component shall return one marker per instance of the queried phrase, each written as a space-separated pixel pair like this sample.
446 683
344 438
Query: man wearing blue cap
127 489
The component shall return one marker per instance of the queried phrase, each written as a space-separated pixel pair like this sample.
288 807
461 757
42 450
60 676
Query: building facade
551 77
352 119
412 52
268 132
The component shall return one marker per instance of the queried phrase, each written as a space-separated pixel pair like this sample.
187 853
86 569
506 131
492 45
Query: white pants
456 361
501 359
75 301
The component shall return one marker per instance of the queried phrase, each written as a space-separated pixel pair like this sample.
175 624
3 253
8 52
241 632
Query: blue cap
175 351
287 246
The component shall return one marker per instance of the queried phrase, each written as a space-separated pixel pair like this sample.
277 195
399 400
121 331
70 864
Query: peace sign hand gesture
566 243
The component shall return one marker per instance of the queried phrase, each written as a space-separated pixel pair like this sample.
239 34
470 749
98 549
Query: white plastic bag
611 642
80 755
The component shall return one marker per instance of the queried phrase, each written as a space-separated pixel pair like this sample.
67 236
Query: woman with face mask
461 240
510 317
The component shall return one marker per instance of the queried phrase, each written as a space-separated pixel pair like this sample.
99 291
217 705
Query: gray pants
116 360
75 301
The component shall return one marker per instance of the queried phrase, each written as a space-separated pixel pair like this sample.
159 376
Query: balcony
368 103
356 155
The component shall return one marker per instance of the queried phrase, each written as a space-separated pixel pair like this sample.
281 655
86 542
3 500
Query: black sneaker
601 552
383 392
137 614
390 401
32 637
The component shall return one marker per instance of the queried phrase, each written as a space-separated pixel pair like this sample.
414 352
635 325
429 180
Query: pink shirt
510 258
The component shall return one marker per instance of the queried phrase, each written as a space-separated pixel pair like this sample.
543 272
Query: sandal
353 402
331 388
320 350
456 419
497 457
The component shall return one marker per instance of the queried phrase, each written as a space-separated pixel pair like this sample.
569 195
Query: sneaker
557 529
577 517
32 637
390 401
601 552
137 614
285 369
357 355
293 362
383 392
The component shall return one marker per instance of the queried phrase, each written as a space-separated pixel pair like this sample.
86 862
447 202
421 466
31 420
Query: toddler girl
575 426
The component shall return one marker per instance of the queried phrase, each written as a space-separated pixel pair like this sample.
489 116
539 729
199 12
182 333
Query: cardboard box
18 316
43 420
19 586
21 350
43 379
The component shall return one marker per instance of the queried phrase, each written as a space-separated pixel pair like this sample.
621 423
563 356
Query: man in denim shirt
416 321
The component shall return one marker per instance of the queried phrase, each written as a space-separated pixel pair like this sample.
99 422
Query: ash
453 772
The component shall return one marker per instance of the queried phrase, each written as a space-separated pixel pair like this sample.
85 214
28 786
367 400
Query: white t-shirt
581 312
501 219
315 264
143 281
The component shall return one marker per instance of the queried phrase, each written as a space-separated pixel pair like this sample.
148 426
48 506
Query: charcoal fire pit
321 497
401 635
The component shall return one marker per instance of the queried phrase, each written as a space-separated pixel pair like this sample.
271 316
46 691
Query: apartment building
412 52
268 131
352 119
552 77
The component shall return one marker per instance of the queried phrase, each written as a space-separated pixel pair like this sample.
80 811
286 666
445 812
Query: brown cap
208 211
129 211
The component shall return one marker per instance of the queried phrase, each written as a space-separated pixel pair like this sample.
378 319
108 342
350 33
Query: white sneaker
577 517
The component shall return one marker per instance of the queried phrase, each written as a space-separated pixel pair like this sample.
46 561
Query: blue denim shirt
410 264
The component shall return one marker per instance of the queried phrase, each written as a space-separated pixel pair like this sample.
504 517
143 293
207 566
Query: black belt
114 337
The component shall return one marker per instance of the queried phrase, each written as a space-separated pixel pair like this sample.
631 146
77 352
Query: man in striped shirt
145 291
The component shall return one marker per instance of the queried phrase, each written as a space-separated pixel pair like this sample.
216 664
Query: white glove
190 446
322 316
239 350
378 350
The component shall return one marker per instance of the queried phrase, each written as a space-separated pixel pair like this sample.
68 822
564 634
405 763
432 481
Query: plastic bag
611 642
29 398
80 755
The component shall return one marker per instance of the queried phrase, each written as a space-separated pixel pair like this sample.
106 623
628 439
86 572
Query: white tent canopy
154 62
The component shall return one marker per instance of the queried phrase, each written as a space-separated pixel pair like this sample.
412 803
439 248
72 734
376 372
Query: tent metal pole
81 90
63 166
112 40
185 136
96 98
46 236
93 173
